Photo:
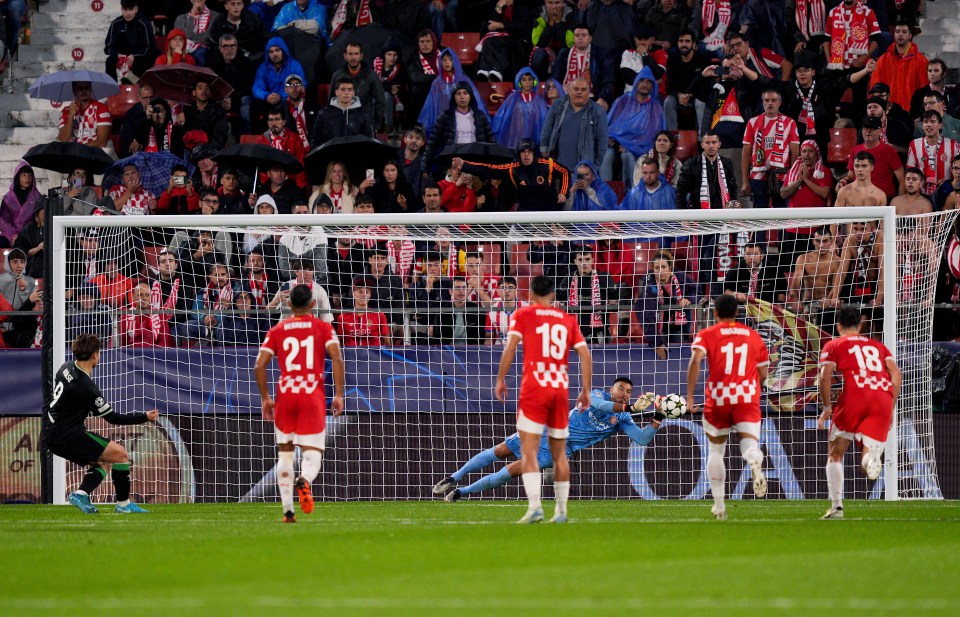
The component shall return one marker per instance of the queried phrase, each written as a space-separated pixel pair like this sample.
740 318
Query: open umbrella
477 152
357 153
64 157
175 82
256 158
154 168
59 86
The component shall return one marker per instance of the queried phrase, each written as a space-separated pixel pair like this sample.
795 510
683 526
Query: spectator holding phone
179 198
22 293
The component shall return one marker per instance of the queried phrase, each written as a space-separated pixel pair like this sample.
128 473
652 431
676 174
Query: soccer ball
673 406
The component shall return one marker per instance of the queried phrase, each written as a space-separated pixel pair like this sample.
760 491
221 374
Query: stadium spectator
169 296
589 191
159 131
180 196
860 277
19 203
522 174
552 32
363 326
85 120
83 259
895 122
805 22
176 50
258 279
456 192
285 192
653 192
811 98
946 320
336 185
387 291
439 97
87 314
238 71
494 195
113 285
682 67
706 180
80 197
498 319
934 101
208 306
945 198
853 34
665 305
392 193
244 25
808 184
755 277
305 247
412 156
451 255
482 286
366 83
664 153
459 321
612 24
585 61
903 68
346 260
299 114
30 241
715 19
206 115
245 325
588 294
263 240
431 200
423 68
344 116
575 128
667 19
505 40
862 192
303 275
430 289
129 46
11 14
933 153
936 83
132 120
309 16
634 121
913 239
761 60
196 255
388 69
138 325
770 145
404 17
269 84
130 197
266 10
522 113
205 174
197 23
644 54
888 171
277 136
22 293
462 123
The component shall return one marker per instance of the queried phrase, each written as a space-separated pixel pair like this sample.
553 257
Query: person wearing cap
540 182
299 114
306 15
887 174
344 116
363 326
206 169
811 97
462 123
645 54
894 131
206 115
366 83
903 68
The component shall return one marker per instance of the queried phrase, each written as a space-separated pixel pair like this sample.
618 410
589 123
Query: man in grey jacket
22 293
367 85
575 129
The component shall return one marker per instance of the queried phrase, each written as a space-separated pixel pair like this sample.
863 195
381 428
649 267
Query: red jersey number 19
554 339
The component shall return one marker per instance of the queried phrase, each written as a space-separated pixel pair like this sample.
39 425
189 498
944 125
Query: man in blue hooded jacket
269 83
634 120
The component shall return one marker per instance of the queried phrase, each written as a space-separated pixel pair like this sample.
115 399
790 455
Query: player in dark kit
75 397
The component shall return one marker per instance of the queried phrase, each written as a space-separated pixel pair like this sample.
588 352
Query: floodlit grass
613 558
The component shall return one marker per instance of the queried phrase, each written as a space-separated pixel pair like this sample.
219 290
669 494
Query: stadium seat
493 93
619 188
643 252
249 139
119 104
3 260
841 145
520 265
151 255
686 145
464 44
323 94
492 257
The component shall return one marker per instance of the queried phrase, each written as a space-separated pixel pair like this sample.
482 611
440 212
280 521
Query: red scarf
850 34
364 17
300 119
218 299
810 17
596 318
721 11
819 171
578 65
705 184
200 24
430 64
153 145
209 180
378 67
157 303
258 288
933 160
679 317
776 158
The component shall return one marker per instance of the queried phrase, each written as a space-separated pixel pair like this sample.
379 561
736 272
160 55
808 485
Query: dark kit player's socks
92 479
121 480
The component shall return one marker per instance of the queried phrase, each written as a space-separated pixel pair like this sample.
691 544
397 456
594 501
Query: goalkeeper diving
609 414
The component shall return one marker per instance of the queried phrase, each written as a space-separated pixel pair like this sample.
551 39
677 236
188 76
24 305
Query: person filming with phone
179 198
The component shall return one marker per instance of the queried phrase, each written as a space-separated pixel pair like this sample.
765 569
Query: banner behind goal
421 303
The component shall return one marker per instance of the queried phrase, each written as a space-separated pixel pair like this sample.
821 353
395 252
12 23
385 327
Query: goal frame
61 226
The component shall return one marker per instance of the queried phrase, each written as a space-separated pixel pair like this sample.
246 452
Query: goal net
421 304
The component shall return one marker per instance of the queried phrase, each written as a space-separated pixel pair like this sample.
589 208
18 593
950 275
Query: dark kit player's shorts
77 446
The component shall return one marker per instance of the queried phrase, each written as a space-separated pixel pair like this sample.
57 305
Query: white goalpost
419 301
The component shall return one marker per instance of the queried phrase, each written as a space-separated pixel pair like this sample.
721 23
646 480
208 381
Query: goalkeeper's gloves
645 400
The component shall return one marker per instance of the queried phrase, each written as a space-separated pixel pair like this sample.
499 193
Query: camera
581 176
179 181
721 71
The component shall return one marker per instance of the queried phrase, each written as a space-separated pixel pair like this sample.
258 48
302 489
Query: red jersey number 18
868 358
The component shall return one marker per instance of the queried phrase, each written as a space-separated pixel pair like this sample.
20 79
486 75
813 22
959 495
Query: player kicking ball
548 334
300 344
75 397
609 414
871 385
738 362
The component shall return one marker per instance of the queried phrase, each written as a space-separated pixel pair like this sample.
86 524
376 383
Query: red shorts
301 414
729 415
545 406
866 413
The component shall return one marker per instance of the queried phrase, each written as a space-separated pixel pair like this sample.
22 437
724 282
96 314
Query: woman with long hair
392 192
666 304
665 154
337 186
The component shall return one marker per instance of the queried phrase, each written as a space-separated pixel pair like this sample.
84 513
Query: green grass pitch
432 558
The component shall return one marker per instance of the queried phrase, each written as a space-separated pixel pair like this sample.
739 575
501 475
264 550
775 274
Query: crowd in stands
613 105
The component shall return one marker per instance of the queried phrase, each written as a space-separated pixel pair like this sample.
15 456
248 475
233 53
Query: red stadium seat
493 93
644 252
686 145
119 104
323 94
249 139
520 265
464 44
841 145
492 258
151 255
619 188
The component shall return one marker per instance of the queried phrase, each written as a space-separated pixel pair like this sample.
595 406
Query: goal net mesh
421 311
